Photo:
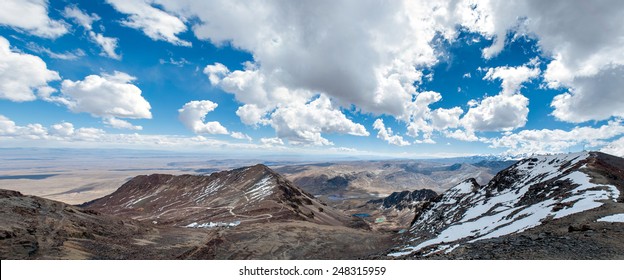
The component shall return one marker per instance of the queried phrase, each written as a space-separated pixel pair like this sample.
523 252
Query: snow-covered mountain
246 195
532 192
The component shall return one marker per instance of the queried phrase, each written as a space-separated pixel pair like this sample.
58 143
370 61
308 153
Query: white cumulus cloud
275 141
446 118
23 75
420 117
120 124
108 96
461 135
499 112
509 109
30 131
240 136
386 134
7 126
63 129
193 116
108 44
154 22
31 16
512 78
557 140
304 123
598 97
260 95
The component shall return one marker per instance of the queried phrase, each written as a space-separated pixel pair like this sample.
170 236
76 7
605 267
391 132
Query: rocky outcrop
405 199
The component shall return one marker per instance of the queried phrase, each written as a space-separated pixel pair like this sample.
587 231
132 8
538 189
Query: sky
417 78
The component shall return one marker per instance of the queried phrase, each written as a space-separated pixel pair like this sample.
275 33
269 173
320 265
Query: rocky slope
296 240
547 200
253 194
37 228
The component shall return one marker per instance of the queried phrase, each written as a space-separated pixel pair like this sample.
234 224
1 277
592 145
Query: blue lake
361 215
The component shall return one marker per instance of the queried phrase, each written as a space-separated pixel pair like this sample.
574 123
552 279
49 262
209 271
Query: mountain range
348 185
542 207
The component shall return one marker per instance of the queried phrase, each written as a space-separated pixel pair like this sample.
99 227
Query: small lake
361 215
334 197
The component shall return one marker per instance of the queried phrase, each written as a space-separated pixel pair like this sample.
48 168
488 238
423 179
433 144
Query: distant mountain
367 179
532 209
480 158
253 194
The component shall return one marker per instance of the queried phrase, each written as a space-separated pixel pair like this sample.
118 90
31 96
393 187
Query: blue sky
414 78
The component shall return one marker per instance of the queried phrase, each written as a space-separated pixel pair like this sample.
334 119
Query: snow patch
463 188
209 189
213 224
132 202
260 190
617 218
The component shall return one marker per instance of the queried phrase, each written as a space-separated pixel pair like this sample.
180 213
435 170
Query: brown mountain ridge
247 195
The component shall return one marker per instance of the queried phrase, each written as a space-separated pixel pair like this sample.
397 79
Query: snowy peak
228 198
527 194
